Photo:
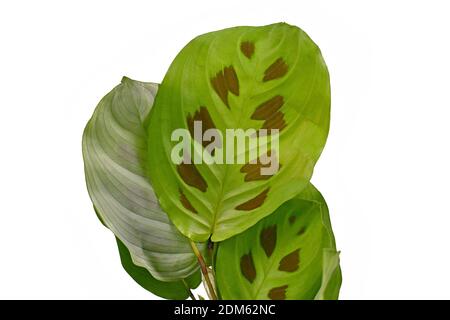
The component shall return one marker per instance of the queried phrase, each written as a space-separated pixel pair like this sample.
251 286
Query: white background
385 171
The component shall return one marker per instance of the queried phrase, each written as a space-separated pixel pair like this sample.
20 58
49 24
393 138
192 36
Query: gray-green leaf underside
271 77
290 254
177 290
115 157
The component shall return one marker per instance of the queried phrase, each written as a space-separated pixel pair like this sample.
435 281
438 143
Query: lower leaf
290 254
178 290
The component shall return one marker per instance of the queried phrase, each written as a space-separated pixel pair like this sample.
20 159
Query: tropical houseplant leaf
177 290
331 276
115 159
290 254
251 78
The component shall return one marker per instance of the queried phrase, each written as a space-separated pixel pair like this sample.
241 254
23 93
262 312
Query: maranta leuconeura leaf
331 276
115 159
271 77
290 254
177 290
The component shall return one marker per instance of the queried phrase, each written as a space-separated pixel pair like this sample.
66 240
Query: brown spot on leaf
290 262
226 81
253 170
268 239
207 123
253 203
278 293
231 80
220 86
266 109
275 121
276 70
301 231
191 176
248 267
185 202
292 220
248 48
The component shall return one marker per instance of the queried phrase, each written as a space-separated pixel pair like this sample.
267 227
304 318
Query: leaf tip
125 79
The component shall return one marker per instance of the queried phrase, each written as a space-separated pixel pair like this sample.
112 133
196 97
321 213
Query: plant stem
189 290
204 270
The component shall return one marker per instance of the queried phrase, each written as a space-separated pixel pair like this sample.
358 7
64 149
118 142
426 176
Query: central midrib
222 187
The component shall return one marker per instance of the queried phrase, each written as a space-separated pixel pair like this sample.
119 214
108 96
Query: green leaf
332 277
177 290
288 255
270 77
115 159
169 290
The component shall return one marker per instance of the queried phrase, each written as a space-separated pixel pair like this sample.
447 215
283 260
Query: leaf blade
292 255
175 290
213 80
332 277
115 153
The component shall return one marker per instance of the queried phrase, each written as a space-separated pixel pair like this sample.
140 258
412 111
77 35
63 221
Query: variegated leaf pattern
250 78
290 254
